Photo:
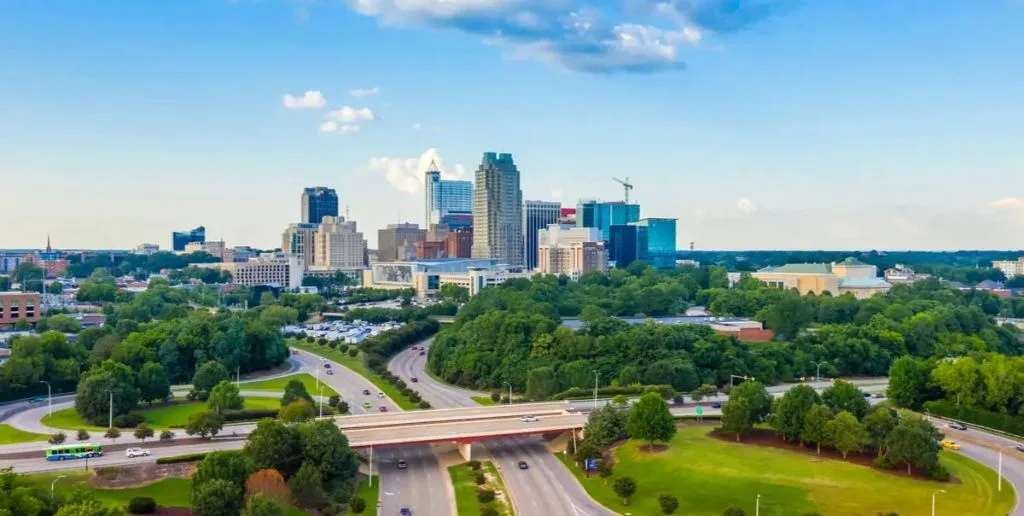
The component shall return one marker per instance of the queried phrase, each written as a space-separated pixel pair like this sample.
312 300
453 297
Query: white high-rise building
498 211
1010 268
274 269
299 240
445 196
338 245
572 251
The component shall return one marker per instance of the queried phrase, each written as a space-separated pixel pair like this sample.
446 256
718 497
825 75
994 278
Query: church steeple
48 248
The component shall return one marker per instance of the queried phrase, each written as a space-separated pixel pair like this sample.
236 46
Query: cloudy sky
756 123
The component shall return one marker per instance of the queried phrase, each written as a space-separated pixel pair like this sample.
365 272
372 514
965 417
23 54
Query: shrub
57 438
188 457
249 414
357 504
353 352
938 472
142 505
322 341
83 435
424 404
484 495
677 399
668 503
166 435
884 462
334 401
333 344
310 339
488 511
474 465
479 478
415 397
129 420
732 510
604 468
495 396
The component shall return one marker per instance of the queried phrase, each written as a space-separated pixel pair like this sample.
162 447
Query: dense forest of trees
513 332
139 265
923 261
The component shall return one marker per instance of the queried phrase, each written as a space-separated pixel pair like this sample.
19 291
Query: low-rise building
459 244
146 249
1010 268
17 306
427 276
215 248
849 276
270 269
901 274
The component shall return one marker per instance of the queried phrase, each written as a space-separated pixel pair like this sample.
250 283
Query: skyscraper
603 215
444 197
537 215
179 239
498 210
656 242
318 202
338 244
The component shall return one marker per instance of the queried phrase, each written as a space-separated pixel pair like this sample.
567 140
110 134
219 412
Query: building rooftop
864 283
800 268
576 324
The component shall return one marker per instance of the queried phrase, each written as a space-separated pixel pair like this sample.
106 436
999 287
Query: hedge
1005 422
188 457
666 391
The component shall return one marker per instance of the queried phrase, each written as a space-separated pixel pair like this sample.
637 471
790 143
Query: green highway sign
700 410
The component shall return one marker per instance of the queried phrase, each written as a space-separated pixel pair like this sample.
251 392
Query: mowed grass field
278 384
707 475
11 435
159 416
169 492
370 494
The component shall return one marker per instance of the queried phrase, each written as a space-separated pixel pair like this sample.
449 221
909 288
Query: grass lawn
707 475
370 494
484 400
11 435
466 488
169 492
161 417
277 384
356 365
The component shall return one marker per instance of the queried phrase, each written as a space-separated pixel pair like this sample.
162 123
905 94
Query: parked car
523 465
878 395
136 452
866 394
383 408
37 399
957 426
402 464
414 379
946 443
530 419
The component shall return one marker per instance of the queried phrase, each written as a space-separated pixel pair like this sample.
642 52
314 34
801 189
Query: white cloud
364 92
334 127
746 206
1007 203
351 114
556 194
406 174
416 126
312 99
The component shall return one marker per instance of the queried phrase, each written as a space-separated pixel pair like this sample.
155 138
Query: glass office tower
656 242
604 215
318 202
179 239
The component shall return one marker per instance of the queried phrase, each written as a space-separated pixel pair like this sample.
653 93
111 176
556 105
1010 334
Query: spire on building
433 166
48 248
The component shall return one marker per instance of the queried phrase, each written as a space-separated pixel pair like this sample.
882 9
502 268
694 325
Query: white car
380 394
136 452
530 419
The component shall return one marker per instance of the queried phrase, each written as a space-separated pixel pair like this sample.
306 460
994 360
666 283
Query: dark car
523 465
326 365
405 512
866 394
423 353
716 405
37 399
414 379
957 426
402 464
383 408
366 392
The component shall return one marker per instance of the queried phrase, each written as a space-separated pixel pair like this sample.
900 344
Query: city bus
73 451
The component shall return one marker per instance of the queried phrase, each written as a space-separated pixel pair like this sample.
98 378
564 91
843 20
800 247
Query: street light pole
596 376
757 507
111 421
53 484
371 466
49 396
509 392
999 487
321 394
817 373
940 491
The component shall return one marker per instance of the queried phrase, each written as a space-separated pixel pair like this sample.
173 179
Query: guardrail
1008 435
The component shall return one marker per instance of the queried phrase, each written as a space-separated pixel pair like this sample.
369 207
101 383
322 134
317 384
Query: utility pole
111 422
49 396
596 375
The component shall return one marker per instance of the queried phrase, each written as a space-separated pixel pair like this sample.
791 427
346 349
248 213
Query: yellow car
950 444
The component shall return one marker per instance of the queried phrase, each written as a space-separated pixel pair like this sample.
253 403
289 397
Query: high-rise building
537 215
498 210
273 269
570 251
318 202
338 245
179 239
445 196
604 215
300 240
458 220
622 245
656 242
398 242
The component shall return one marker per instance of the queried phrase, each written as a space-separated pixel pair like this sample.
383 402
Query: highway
547 487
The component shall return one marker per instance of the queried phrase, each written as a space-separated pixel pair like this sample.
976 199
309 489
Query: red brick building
15 306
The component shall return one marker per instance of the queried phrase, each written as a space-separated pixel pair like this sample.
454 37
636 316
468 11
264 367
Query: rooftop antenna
346 212
626 185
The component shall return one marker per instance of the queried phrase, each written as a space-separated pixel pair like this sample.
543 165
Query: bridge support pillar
466 449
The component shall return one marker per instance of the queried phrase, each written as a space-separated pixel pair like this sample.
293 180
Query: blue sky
758 124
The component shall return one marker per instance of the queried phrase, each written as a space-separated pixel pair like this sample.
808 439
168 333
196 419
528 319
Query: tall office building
444 197
317 203
398 242
604 215
338 245
623 245
299 239
179 239
537 215
656 241
498 210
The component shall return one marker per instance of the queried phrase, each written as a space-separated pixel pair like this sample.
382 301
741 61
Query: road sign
700 410
591 464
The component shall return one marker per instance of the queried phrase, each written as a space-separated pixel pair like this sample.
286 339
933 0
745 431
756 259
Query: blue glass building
604 215
537 215
179 239
622 244
318 202
656 242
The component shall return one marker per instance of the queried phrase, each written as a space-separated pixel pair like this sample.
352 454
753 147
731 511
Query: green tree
82 503
217 497
324 446
93 398
913 442
153 382
737 417
908 379
55 287
961 379
276 316
307 486
357 504
541 383
273 445
846 433
143 431
758 399
261 505
878 423
203 424
112 433
294 391
624 487
815 429
232 466
296 412
791 409
668 503
732 510
607 424
224 396
845 396
651 420
207 377
57 438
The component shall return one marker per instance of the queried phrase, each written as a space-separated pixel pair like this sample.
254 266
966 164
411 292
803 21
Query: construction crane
626 185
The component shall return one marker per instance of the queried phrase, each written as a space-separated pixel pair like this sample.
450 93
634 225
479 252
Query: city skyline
786 129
